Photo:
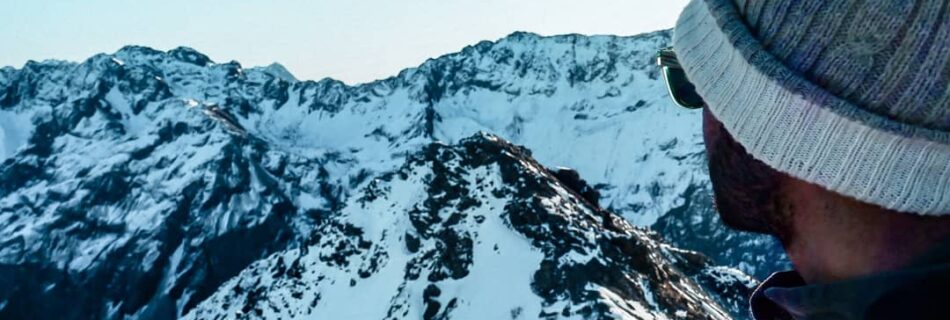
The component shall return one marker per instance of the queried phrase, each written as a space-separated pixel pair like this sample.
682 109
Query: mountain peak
190 55
278 71
137 51
523 34
478 206
181 53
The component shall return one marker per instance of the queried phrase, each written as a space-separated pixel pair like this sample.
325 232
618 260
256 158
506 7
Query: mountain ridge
216 155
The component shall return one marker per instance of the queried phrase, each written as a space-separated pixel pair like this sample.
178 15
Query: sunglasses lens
683 92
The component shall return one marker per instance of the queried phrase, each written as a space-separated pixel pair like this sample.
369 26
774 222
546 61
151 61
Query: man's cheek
740 188
709 126
735 209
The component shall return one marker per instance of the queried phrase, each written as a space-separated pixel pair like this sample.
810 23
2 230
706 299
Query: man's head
851 96
829 236
827 123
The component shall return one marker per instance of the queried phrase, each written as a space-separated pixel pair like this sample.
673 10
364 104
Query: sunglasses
681 90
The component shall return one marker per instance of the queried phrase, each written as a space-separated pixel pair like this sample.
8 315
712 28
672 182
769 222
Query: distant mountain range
154 185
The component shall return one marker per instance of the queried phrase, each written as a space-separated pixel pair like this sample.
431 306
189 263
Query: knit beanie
851 95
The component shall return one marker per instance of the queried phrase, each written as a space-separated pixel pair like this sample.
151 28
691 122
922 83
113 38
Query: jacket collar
919 288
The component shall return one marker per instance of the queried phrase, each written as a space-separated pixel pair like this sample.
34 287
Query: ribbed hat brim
798 128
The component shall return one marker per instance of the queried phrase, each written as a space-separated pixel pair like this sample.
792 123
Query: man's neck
837 238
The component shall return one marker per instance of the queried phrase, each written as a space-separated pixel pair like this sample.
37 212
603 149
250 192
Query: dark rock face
590 262
135 264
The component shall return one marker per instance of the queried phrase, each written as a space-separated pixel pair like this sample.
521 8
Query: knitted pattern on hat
850 95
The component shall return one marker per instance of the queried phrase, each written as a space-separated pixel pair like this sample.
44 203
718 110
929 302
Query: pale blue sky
351 40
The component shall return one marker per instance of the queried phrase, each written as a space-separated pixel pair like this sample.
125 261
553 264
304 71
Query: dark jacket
919 291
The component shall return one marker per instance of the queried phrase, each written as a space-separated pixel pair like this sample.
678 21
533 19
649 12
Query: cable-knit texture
849 95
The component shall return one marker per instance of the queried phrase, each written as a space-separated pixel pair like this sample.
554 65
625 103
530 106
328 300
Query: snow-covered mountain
478 230
137 183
